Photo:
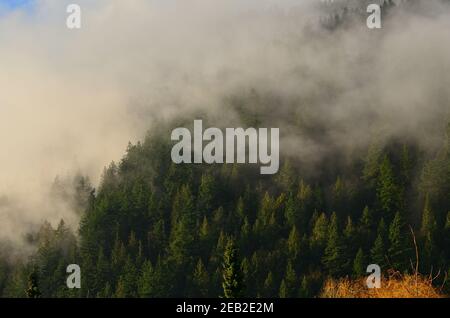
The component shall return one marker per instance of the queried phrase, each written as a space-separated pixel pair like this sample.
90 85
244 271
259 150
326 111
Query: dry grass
393 286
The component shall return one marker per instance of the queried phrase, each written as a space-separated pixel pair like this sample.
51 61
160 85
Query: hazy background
71 100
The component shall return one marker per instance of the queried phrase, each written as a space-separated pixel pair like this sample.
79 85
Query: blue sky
14 3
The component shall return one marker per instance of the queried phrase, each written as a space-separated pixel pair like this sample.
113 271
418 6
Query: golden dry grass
393 286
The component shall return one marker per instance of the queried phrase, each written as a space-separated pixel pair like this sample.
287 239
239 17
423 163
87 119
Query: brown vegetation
392 286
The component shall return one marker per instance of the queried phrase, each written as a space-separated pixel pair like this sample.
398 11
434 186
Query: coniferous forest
153 228
156 229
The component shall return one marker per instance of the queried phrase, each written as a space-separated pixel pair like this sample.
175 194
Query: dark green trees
232 280
289 284
184 227
400 244
378 252
155 229
335 259
33 286
389 191
428 232
359 264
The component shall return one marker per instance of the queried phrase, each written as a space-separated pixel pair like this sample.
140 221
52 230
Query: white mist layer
71 100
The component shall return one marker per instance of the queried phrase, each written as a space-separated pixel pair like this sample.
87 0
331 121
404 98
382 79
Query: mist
71 100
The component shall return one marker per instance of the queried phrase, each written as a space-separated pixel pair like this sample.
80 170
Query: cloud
70 100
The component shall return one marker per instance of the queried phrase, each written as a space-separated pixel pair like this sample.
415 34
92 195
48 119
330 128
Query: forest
157 229
153 228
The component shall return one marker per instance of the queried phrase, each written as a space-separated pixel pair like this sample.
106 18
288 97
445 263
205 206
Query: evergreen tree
145 281
206 194
388 191
334 258
288 285
350 237
320 231
428 233
367 221
339 196
305 288
367 227
33 286
269 286
292 212
359 264
182 239
378 252
293 244
399 245
283 289
306 205
200 280
232 282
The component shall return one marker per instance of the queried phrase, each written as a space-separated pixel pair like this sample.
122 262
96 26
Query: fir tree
428 233
293 243
334 258
388 191
399 245
33 286
359 264
292 210
320 231
378 252
232 282
269 286
288 286
200 280
145 281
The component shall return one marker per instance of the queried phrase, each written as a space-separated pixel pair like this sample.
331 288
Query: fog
71 100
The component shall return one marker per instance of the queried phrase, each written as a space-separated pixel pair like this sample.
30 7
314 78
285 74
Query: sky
14 3
11 5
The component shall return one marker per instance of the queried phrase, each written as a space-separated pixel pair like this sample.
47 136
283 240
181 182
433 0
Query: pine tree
350 236
359 264
127 284
367 227
283 290
306 205
378 252
145 281
240 209
288 285
388 191
320 231
293 244
286 177
334 258
407 165
366 221
339 196
33 286
305 288
428 220
399 245
428 233
232 282
200 280
292 210
206 194
269 286
182 241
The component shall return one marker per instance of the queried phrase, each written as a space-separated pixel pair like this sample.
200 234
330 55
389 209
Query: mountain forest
152 228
